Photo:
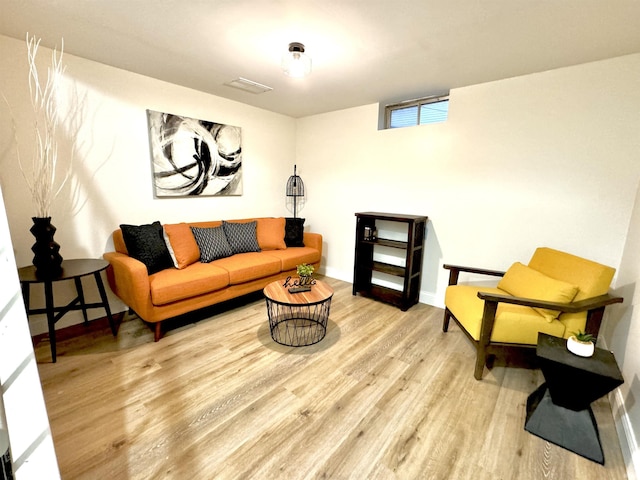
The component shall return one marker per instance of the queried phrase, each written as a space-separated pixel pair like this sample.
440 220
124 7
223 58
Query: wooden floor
386 395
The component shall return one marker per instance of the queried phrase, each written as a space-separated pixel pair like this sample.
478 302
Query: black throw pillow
294 232
146 243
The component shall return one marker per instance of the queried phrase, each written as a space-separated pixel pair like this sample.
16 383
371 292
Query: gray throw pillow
212 243
242 237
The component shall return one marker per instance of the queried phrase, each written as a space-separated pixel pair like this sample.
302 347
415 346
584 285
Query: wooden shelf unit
412 251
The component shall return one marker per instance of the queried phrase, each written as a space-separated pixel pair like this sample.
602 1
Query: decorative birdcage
295 189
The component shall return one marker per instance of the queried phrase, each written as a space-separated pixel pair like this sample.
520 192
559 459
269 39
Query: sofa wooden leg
158 332
445 321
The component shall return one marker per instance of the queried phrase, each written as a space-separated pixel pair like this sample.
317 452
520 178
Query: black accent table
71 270
560 409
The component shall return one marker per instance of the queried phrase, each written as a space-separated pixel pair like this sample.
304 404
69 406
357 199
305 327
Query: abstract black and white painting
194 157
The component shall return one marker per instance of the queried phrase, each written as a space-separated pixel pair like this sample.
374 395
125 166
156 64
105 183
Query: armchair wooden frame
485 348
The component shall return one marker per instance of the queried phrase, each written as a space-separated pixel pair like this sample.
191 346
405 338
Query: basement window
417 112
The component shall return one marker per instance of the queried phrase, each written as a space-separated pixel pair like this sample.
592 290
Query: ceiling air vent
248 85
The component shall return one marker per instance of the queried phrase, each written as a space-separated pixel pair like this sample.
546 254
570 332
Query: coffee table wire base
298 325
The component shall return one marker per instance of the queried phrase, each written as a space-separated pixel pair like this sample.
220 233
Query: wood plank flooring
385 395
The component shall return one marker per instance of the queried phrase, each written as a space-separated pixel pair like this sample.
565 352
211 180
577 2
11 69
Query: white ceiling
363 51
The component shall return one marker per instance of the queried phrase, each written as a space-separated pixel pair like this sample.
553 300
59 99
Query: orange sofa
190 284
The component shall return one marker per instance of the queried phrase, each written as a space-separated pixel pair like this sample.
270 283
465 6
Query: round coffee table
298 319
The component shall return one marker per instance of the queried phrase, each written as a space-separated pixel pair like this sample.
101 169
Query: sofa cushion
183 243
199 278
291 257
522 281
294 232
245 267
271 233
242 237
212 243
146 243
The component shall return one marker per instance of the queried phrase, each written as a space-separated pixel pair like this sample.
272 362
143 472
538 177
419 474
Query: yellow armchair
556 293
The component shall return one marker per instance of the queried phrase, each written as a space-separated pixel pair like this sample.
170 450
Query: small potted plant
304 272
581 344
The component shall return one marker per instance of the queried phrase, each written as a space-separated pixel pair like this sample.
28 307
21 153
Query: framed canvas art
193 157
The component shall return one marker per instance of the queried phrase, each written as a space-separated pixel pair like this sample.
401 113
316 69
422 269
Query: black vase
47 259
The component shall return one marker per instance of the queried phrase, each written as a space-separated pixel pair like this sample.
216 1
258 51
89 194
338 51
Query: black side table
71 270
560 409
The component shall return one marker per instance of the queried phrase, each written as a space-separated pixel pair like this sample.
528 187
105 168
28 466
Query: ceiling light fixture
295 63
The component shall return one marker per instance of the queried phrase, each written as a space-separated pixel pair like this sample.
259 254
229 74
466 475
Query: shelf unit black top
398 217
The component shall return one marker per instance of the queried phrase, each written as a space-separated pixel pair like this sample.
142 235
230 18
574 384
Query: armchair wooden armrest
574 307
454 272
593 306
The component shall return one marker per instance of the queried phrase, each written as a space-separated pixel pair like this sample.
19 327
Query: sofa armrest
313 240
454 272
129 280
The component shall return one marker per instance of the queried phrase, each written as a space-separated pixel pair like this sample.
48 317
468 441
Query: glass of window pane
404 117
434 112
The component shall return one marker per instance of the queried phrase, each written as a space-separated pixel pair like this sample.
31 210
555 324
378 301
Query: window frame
418 102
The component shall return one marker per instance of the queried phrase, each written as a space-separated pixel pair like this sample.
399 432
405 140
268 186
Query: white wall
111 182
623 334
546 159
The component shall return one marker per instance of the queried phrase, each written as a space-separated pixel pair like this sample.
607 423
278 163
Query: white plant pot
582 349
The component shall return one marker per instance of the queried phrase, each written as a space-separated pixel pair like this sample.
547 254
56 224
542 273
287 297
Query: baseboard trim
77 329
624 429
430 298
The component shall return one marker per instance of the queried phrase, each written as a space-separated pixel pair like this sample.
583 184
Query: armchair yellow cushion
522 281
514 323
592 278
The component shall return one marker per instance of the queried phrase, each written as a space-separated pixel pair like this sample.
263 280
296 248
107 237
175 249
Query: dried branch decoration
43 182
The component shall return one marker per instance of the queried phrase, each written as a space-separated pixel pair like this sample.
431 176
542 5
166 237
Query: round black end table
74 270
